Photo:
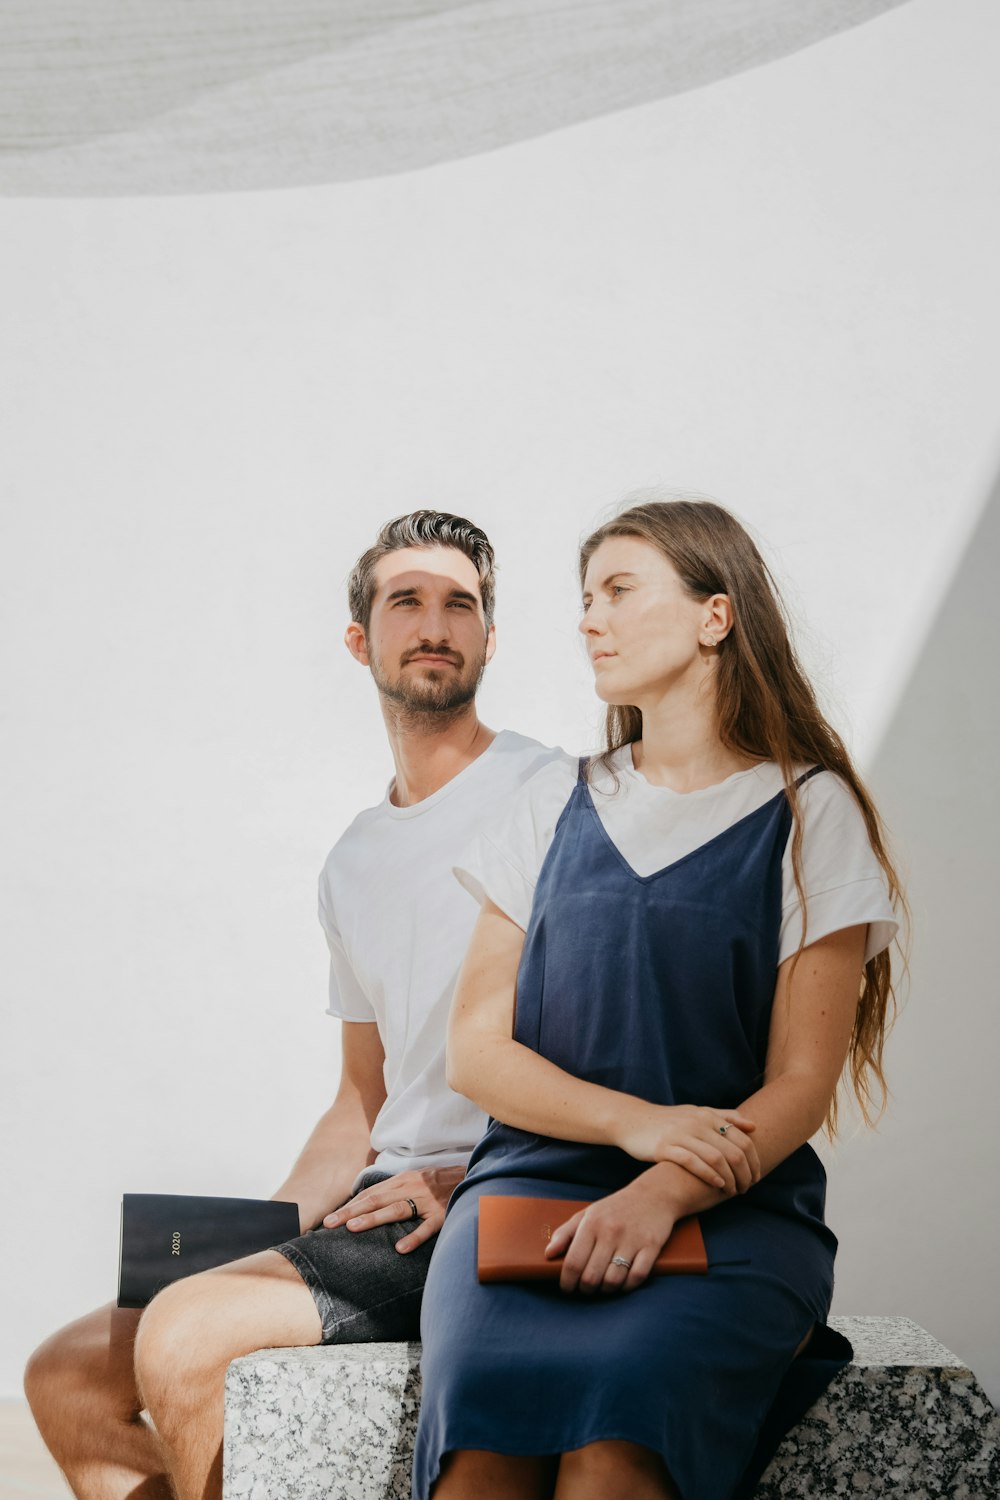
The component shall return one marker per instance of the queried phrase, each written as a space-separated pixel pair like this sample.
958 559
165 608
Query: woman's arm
516 1085
815 1002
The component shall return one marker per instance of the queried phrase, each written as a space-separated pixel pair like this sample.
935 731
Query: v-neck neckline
683 859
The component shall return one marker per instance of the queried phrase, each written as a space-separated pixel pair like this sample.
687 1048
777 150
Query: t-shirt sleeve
348 1001
844 883
503 862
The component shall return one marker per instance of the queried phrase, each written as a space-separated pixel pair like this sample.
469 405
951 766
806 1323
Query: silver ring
414 1211
723 1129
619 1260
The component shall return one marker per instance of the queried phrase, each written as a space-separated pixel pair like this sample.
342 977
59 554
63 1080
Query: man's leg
80 1385
187 1337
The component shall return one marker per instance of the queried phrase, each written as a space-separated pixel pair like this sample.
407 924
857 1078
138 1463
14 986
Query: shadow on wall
915 1203
114 97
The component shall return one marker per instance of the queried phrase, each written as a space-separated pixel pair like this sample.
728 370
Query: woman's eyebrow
610 580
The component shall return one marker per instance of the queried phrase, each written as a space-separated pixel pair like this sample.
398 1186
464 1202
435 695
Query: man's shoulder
357 833
519 766
517 757
511 761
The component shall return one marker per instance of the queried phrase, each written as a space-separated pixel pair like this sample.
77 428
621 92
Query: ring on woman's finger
723 1129
619 1260
414 1210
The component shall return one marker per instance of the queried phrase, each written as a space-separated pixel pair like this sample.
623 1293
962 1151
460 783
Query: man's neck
429 750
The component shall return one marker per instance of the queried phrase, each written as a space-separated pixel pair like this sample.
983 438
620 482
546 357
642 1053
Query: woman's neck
681 747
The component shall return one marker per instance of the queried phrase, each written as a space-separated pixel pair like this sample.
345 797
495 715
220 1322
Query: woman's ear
717 620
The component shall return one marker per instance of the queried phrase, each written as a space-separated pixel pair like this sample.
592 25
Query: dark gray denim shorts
364 1289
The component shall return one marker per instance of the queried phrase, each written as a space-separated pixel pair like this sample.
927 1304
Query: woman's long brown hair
766 709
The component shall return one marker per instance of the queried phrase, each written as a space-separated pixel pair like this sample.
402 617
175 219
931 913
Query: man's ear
491 642
357 642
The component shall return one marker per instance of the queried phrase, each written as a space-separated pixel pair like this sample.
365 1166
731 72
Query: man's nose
435 624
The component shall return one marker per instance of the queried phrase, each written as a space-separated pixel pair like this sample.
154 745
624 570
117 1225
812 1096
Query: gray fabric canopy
133 96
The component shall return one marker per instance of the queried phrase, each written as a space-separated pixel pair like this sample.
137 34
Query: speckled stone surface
905 1421
322 1424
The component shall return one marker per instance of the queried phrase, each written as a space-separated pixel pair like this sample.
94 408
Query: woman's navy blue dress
659 986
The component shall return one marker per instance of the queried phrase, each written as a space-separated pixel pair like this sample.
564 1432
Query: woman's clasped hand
712 1144
612 1246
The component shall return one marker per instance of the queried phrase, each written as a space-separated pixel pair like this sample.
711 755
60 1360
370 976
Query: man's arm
340 1144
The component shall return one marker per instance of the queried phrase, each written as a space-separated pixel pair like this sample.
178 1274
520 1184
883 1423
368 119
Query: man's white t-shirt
653 826
398 923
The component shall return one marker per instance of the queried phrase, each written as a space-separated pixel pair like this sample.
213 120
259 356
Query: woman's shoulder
826 798
820 793
843 879
836 845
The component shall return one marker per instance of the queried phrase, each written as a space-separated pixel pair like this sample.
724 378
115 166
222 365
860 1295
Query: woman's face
644 632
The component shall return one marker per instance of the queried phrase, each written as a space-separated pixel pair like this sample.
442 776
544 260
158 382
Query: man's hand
389 1202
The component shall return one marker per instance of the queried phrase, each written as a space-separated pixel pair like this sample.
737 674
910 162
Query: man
397 923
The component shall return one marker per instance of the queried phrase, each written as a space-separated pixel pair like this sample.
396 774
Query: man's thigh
363 1289
259 1302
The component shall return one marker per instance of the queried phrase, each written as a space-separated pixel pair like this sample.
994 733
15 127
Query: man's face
427 643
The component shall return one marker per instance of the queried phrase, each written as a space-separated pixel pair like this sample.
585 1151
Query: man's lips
433 659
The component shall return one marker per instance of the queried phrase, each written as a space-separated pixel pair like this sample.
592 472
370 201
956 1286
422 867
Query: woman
696 930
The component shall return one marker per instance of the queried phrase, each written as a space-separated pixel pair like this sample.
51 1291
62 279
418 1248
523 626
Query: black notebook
166 1236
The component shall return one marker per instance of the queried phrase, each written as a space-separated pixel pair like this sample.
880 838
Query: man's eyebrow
413 591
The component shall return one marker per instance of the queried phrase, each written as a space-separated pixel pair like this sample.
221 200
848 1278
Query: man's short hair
422 528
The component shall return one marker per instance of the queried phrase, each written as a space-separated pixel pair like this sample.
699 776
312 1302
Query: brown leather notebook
513 1234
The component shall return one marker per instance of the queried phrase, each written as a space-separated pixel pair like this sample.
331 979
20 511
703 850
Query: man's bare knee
83 1369
192 1329
169 1347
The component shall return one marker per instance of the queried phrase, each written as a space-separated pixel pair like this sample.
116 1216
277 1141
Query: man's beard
437 693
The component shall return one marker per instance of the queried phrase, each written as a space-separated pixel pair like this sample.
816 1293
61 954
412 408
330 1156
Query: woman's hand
632 1226
712 1144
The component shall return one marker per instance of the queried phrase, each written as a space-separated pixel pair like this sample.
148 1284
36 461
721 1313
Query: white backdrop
779 290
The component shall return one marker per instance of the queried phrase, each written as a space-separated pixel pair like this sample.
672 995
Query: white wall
779 289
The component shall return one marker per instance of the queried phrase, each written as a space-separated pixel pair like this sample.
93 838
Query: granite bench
905 1420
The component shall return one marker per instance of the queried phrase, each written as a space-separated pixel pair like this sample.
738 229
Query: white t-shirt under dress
653 826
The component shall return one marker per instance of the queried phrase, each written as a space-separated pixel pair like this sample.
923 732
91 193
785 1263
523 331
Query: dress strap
808 775
581 770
